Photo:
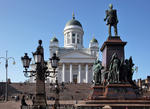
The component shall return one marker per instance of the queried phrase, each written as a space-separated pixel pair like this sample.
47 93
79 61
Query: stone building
144 84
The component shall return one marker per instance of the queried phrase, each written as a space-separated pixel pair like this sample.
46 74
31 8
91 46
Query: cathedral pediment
76 55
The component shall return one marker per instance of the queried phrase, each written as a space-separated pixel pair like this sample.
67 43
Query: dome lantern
73 21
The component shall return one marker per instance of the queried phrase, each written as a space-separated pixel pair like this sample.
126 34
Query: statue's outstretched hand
105 19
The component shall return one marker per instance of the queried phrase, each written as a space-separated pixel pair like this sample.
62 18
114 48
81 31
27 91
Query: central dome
73 22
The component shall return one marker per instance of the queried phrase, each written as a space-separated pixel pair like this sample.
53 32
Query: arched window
78 39
73 37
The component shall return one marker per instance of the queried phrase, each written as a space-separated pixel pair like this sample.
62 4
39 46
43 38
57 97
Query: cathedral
76 62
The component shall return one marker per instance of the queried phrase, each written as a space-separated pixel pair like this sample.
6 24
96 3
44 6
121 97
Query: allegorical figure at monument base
97 67
113 75
112 20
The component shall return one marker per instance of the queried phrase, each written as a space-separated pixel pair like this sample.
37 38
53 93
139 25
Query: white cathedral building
76 62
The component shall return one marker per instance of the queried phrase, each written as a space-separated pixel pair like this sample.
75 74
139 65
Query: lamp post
6 67
57 91
54 63
41 73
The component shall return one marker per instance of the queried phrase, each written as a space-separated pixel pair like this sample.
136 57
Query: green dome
94 40
54 39
74 22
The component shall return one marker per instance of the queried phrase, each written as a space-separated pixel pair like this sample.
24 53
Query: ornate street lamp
26 61
41 73
54 62
6 66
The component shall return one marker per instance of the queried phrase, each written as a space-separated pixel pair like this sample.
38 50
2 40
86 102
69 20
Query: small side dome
94 40
93 43
54 39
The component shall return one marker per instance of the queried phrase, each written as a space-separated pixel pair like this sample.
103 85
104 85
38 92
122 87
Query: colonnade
78 73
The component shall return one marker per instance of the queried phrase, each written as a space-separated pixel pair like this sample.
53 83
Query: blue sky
24 22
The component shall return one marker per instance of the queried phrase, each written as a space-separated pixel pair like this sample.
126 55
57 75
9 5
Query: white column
86 73
79 73
70 72
63 73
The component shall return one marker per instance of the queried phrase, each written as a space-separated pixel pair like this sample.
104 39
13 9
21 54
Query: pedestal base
114 104
120 91
114 91
97 92
115 96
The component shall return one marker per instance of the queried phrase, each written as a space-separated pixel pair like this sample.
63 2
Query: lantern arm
29 73
52 76
26 74
47 74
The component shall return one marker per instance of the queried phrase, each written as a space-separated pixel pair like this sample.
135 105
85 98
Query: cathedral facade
76 62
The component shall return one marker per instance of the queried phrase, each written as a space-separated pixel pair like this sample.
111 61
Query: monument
113 86
112 20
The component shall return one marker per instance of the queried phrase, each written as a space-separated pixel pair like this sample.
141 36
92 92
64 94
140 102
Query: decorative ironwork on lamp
54 62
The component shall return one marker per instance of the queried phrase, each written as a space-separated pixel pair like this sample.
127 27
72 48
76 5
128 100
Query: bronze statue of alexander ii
112 20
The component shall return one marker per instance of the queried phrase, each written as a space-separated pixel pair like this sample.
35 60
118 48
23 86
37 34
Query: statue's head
97 61
110 6
126 61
